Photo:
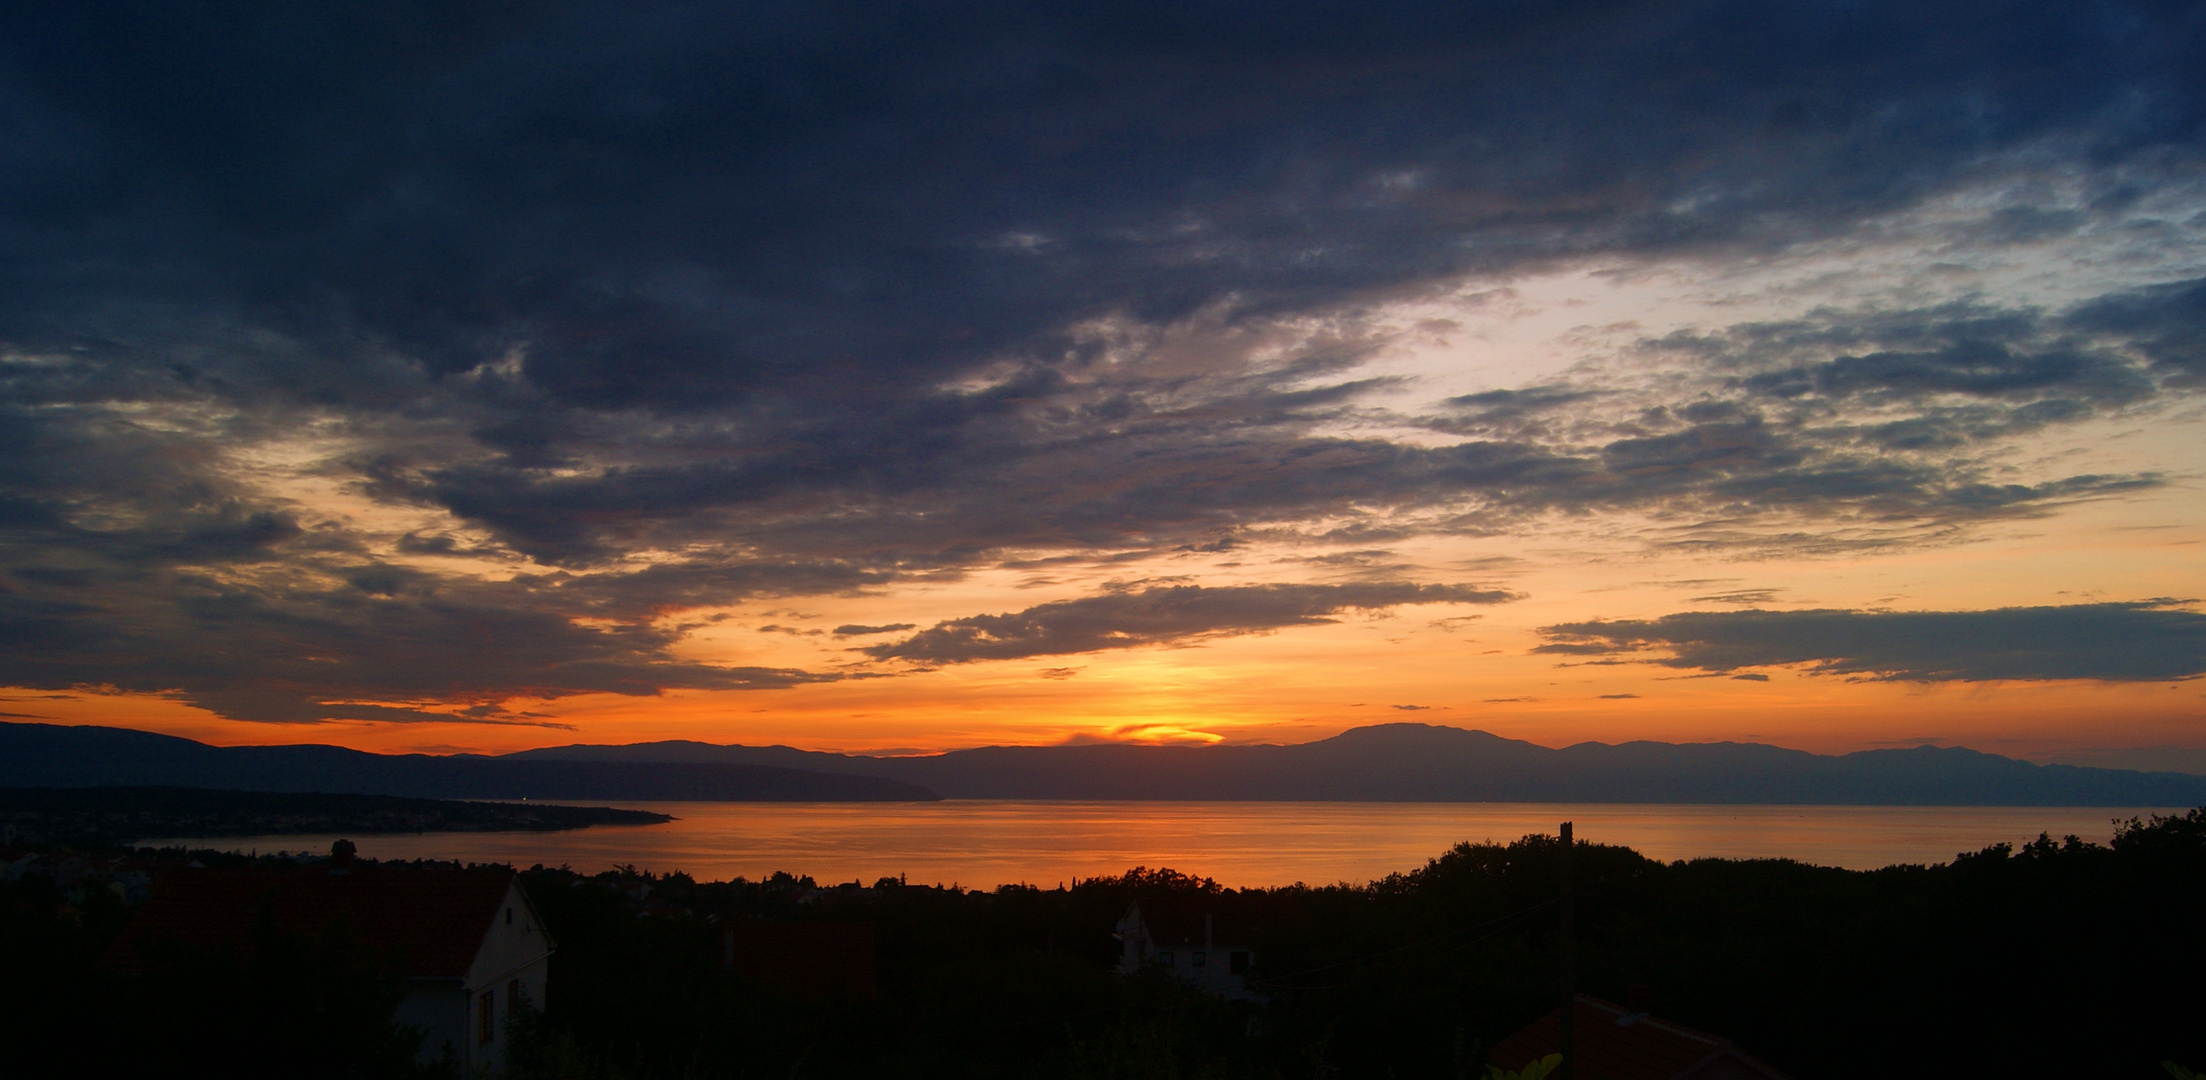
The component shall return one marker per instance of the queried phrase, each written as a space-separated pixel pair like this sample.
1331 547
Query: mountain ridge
1409 761
51 755
1400 762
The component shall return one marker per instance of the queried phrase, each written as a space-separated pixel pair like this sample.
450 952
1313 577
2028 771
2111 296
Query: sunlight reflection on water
983 843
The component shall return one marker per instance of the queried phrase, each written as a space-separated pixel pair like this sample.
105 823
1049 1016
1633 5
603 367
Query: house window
1165 958
509 916
486 1016
1237 961
1198 958
513 996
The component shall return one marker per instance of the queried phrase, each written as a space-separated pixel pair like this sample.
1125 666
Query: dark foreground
2060 958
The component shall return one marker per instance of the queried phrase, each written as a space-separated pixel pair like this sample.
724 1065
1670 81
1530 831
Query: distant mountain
1384 763
1425 763
48 755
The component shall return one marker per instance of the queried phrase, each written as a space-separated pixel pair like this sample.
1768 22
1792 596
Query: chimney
340 855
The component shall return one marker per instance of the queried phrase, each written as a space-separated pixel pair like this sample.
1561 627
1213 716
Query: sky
904 377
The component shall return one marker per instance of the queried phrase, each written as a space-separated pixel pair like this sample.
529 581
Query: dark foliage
296 1007
2060 957
2054 958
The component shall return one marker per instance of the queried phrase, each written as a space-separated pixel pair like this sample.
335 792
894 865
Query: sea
984 843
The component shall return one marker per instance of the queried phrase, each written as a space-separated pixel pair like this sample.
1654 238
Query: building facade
1191 941
468 943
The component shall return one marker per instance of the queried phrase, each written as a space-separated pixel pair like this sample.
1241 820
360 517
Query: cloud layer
1159 614
2122 642
620 311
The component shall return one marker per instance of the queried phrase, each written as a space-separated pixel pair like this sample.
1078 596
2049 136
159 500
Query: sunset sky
909 377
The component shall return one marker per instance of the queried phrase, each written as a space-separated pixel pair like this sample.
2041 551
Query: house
1191 939
469 945
808 961
1616 1042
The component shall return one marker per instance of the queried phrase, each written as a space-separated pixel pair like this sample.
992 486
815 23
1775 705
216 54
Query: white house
464 1005
470 946
1191 940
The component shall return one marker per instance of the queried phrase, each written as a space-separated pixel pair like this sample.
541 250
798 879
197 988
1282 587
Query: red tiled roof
428 923
1174 920
1615 1043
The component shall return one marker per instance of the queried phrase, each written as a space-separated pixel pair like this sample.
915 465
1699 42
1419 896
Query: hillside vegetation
2056 958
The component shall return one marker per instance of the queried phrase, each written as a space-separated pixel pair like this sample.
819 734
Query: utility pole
1570 976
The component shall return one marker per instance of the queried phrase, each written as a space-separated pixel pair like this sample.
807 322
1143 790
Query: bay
985 843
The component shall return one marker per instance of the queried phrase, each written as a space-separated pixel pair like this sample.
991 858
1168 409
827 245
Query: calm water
984 843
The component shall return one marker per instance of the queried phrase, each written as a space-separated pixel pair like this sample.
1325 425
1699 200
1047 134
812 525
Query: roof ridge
1647 1016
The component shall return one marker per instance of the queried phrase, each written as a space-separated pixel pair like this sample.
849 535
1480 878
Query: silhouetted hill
1384 763
102 816
1425 763
47 755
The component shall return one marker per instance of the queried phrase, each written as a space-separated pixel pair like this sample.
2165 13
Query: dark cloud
2127 642
1955 377
2165 323
691 305
1161 614
1518 402
855 630
1963 372
666 207
365 643
1529 412
678 207
1971 367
